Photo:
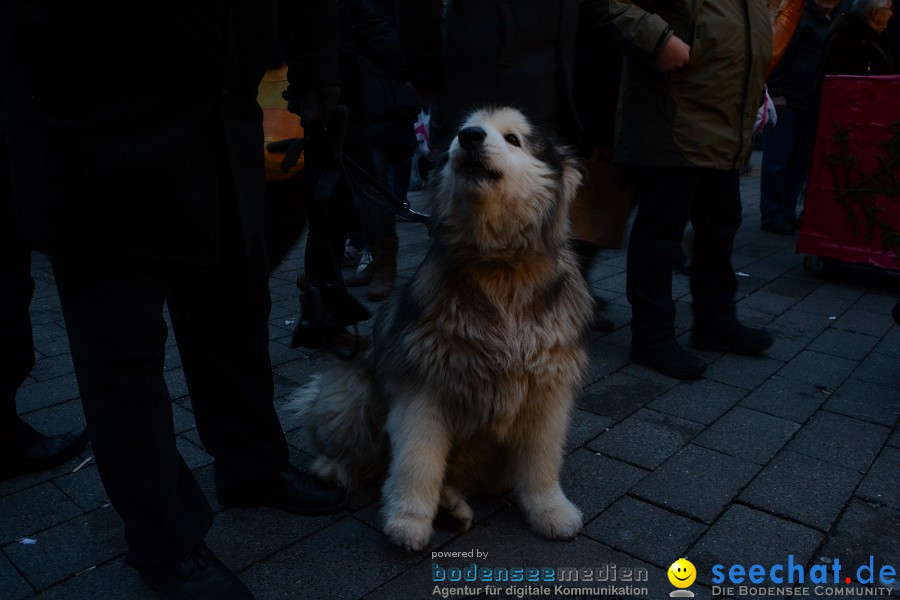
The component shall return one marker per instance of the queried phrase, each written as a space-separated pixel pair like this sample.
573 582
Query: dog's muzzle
471 159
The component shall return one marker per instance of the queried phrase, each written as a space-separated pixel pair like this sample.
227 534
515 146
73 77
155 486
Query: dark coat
133 129
511 53
854 48
796 74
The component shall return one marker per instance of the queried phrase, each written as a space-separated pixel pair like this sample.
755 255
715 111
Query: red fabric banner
852 204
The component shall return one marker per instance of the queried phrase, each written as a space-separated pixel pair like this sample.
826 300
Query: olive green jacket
701 115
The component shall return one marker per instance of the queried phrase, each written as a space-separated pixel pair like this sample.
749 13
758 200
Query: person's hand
673 55
313 106
292 148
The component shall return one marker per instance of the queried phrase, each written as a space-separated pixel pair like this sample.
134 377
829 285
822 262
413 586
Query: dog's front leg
536 460
419 446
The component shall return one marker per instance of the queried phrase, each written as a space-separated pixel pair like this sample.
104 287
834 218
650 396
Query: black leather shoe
669 359
42 452
200 575
738 338
290 491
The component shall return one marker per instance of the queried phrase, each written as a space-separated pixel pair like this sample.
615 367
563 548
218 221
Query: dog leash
389 201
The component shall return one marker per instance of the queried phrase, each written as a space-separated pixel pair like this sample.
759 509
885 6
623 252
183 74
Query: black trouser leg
16 342
220 317
664 196
716 217
117 335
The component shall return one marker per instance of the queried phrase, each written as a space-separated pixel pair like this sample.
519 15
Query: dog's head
506 183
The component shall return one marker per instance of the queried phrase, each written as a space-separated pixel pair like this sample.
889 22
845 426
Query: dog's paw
559 521
409 532
453 500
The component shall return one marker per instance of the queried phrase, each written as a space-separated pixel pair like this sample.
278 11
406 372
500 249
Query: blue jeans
787 153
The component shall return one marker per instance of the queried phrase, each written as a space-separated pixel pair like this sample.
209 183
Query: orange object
785 15
278 122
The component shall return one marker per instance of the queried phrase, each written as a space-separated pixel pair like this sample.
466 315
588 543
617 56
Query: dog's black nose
471 137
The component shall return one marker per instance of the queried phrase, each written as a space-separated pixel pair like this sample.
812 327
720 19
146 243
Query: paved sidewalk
792 454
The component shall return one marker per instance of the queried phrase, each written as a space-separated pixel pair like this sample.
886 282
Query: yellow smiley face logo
682 573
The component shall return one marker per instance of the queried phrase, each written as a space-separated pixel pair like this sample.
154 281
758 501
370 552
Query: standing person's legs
664 197
716 217
220 317
777 193
113 314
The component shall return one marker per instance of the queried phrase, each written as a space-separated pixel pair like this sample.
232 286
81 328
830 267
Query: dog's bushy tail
340 413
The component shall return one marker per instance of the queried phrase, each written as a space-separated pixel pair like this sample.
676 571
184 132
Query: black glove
313 106
291 147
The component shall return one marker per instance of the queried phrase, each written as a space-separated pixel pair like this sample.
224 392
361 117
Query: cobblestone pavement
793 456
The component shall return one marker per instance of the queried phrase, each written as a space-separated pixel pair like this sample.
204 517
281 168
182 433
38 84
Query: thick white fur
470 383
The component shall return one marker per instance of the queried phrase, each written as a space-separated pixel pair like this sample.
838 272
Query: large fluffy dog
470 382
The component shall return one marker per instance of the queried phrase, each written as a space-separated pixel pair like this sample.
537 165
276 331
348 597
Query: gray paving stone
61 418
824 305
890 344
866 401
748 434
746 536
895 439
876 302
644 531
346 560
594 482
64 550
510 544
113 580
35 509
702 401
879 368
584 427
845 344
745 372
619 395
861 321
241 537
14 586
189 446
882 482
52 367
696 482
864 531
46 393
798 323
786 398
84 488
646 438
182 418
790 287
767 302
840 440
803 489
819 369
176 383
605 360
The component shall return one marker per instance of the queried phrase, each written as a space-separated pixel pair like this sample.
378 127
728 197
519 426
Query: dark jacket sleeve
420 34
308 30
636 32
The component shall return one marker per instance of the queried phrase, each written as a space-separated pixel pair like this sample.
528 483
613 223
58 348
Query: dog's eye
513 139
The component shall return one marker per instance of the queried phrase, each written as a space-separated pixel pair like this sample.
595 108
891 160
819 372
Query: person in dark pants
691 81
22 449
138 168
788 146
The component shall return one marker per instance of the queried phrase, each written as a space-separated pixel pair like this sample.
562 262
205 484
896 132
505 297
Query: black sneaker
669 359
738 338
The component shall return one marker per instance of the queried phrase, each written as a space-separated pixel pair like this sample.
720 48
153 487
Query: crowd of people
131 155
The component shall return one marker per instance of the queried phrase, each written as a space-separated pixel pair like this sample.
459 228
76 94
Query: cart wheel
819 266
